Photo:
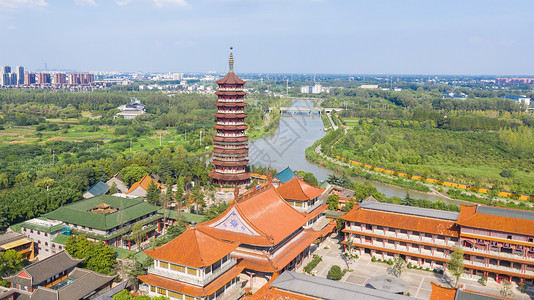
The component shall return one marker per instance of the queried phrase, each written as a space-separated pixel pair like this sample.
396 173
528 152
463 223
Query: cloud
16 4
156 3
85 2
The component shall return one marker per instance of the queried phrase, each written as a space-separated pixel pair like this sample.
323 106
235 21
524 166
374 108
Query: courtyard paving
364 269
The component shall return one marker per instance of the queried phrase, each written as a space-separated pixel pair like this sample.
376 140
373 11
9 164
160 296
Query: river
286 147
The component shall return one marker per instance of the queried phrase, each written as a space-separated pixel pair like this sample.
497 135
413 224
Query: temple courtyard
363 269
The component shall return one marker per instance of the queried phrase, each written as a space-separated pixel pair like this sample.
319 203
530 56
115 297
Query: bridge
305 110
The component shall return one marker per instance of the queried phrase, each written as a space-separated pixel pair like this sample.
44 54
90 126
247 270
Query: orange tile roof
143 183
267 292
288 252
192 290
297 189
193 248
442 293
493 222
231 78
407 222
263 210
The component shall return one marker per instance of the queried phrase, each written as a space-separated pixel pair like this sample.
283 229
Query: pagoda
230 144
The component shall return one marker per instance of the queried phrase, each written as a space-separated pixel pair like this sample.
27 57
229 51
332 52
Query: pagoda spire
231 61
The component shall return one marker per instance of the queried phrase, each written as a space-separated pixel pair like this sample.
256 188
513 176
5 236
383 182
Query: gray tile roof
502 212
9 237
463 295
328 289
410 210
46 268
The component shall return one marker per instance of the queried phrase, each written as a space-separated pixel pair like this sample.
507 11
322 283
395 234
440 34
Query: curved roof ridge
244 217
285 202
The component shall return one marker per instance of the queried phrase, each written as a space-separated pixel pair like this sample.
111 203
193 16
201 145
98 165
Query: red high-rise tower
230 145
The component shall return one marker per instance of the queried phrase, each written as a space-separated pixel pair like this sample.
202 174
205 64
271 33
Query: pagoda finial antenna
231 60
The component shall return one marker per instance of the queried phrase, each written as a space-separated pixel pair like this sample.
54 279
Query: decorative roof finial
231 61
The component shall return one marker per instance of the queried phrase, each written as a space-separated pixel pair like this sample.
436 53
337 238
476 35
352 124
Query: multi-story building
497 242
43 78
259 235
60 78
74 78
230 144
17 242
5 75
43 233
20 75
57 277
29 78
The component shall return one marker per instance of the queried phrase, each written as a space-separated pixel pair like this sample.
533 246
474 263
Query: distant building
18 242
29 78
140 188
5 75
317 88
368 86
43 78
20 75
514 80
118 182
57 277
131 110
96 189
460 96
521 99
43 232
60 78
306 89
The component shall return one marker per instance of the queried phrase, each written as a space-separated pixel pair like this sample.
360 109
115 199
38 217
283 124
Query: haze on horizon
270 36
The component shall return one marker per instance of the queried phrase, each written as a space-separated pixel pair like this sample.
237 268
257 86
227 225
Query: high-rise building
74 78
230 144
60 78
29 78
43 78
5 77
13 78
20 74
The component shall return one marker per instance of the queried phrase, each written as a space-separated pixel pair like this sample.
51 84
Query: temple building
497 242
259 235
230 144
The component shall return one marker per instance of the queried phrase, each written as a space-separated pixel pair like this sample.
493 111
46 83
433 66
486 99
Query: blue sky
271 36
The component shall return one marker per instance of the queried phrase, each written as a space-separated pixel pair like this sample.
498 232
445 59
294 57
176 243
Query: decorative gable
232 221
23 274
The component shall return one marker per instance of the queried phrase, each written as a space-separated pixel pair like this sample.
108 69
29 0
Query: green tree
399 266
97 257
123 295
153 194
113 189
309 178
333 202
180 151
138 235
10 262
133 173
456 263
215 210
180 189
164 168
335 273
4 181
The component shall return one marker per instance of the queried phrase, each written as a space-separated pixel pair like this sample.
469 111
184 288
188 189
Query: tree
506 288
309 178
10 262
180 151
164 168
97 257
399 266
335 273
138 235
113 189
333 202
456 263
123 295
133 173
215 210
153 194
180 189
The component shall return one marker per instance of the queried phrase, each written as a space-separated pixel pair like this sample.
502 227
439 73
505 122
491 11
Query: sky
471 37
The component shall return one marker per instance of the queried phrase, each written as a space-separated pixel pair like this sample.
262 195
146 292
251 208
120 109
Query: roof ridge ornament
231 61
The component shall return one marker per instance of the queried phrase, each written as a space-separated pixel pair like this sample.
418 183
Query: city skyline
330 37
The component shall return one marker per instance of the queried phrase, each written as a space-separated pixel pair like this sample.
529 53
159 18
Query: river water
286 147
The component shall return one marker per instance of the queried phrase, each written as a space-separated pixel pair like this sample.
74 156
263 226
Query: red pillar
129 245
159 225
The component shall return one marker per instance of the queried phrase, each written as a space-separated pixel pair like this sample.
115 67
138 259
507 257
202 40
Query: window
162 291
46 234
31 230
24 229
46 243
38 242
189 297
152 288
163 265
531 240
509 237
175 295
60 247
191 271
38 233
177 268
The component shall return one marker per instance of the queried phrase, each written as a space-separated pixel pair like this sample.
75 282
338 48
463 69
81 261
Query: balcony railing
191 278
499 254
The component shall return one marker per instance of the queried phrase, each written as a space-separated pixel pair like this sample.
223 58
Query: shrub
409 265
335 273
390 262
312 264
373 259
483 280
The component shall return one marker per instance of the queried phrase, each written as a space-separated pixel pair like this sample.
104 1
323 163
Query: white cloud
157 3
85 2
16 4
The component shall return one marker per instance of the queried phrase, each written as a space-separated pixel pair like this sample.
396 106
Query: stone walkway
363 269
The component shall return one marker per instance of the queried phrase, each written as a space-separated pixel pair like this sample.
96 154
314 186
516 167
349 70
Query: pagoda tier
230 144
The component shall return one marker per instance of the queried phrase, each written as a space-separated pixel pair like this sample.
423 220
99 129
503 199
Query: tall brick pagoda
230 144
